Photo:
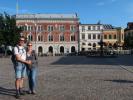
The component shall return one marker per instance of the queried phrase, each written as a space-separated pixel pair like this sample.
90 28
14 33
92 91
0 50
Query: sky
115 12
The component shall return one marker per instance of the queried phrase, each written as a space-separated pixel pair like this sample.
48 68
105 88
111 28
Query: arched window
61 49
89 44
72 49
50 37
72 37
29 37
40 38
40 50
94 45
62 37
114 36
110 36
50 49
83 44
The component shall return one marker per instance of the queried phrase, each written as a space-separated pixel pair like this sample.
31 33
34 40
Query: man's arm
18 58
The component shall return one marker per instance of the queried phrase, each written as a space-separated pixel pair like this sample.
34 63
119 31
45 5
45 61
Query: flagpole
17 7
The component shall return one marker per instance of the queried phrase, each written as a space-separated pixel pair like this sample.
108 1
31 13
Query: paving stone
74 78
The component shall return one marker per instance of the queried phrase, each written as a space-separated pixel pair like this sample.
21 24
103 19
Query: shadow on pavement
82 60
4 91
120 81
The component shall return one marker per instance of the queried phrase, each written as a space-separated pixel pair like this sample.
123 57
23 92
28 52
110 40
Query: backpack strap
20 49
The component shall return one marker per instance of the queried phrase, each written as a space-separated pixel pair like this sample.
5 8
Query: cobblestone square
74 78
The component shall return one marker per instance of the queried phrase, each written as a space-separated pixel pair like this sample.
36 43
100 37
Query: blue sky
115 12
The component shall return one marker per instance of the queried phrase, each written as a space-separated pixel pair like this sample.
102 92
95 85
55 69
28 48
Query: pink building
50 33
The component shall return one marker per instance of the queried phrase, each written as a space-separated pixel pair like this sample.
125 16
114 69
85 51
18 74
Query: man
20 67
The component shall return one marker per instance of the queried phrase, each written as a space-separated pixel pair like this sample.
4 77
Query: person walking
20 66
31 69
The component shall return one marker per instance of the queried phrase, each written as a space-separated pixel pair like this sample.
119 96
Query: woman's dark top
33 58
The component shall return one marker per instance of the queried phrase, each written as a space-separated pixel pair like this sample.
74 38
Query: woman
31 69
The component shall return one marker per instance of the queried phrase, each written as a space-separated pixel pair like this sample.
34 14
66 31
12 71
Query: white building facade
90 35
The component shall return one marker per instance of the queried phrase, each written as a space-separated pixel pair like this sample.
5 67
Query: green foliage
129 42
9 32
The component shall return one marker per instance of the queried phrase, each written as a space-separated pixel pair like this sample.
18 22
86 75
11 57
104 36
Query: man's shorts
20 70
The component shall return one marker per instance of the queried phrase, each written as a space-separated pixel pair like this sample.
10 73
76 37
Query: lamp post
54 43
35 30
101 43
35 37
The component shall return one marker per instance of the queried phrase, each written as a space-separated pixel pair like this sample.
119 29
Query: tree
1 29
9 32
128 42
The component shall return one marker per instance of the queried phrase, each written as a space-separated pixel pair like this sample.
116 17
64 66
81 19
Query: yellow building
113 37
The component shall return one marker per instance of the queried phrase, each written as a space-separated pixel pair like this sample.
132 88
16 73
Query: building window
29 37
89 44
89 36
83 44
50 37
83 36
83 28
93 28
83 49
31 28
72 28
72 37
62 28
105 36
94 45
39 28
98 27
24 28
40 38
94 36
115 36
62 37
28 28
98 37
50 28
89 27
110 36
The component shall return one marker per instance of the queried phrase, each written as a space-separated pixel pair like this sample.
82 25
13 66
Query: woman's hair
29 43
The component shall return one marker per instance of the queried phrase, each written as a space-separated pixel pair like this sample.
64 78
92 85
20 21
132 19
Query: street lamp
35 30
101 43
35 37
55 46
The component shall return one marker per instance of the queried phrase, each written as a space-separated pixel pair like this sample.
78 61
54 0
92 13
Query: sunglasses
29 45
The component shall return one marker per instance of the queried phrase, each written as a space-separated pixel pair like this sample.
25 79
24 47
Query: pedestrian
31 69
20 66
